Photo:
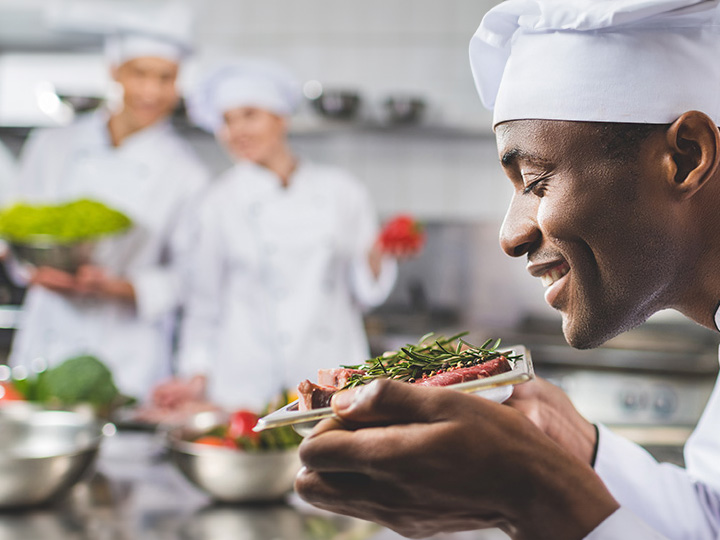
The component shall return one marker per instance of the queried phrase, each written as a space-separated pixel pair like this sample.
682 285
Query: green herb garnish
427 358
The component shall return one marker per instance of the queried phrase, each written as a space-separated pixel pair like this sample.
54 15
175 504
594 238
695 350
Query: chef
121 307
8 171
606 118
286 258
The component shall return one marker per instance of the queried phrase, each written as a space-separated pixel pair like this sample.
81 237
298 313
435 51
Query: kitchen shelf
366 128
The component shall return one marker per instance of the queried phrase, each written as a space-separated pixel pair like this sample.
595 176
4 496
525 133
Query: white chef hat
637 61
159 30
246 83
122 47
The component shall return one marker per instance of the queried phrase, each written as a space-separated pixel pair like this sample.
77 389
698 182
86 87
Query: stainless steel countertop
136 494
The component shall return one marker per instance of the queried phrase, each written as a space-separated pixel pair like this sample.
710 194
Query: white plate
496 388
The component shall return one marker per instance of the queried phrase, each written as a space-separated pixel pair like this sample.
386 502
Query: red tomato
212 440
9 393
242 424
402 234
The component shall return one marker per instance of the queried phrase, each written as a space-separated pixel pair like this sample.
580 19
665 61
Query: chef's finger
375 451
326 425
348 493
384 402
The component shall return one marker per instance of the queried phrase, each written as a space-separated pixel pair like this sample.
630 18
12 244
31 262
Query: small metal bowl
46 251
43 453
338 104
404 109
229 475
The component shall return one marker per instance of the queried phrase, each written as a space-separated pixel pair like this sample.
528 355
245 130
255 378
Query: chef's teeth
553 275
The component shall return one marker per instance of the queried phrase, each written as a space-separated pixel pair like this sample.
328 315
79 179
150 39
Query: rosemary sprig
427 357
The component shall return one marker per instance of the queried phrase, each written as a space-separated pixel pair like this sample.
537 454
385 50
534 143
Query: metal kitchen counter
137 494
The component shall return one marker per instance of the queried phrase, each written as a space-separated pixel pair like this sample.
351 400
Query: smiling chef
129 158
606 115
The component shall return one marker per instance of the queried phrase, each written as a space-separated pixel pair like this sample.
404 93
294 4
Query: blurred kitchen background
398 108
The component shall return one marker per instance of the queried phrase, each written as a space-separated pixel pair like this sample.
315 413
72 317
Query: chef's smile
552 277
554 274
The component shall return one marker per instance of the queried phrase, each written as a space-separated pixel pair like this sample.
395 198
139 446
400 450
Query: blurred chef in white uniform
286 258
121 308
8 172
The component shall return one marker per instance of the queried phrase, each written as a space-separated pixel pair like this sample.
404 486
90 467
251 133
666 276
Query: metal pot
404 109
337 104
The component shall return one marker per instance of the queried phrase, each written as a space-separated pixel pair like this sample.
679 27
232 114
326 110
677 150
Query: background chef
120 308
286 257
606 116
8 172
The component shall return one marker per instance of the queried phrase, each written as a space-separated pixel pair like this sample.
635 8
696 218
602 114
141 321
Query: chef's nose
519 233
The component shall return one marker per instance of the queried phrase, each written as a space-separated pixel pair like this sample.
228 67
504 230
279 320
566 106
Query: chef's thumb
386 402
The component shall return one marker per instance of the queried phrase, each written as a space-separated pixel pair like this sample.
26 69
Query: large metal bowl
230 475
44 251
43 452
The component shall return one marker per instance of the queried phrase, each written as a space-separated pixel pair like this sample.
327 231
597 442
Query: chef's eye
537 187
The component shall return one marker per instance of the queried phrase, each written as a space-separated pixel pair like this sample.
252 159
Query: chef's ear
114 72
694 144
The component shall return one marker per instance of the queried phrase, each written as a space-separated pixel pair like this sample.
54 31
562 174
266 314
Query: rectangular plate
305 421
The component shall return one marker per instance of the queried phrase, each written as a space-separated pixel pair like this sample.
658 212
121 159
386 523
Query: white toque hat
243 83
159 30
124 46
636 61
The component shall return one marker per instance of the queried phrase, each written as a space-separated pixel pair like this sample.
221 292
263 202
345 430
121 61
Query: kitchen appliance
81 104
650 384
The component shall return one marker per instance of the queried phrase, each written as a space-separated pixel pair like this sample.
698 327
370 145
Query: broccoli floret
83 379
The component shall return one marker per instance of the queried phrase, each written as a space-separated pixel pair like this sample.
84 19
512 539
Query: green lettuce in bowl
62 236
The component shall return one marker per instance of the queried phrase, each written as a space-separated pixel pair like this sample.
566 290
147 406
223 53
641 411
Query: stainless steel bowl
44 251
43 452
338 104
230 475
404 109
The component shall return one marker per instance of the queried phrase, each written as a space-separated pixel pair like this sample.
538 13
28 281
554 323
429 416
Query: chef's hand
428 460
377 252
549 408
95 281
54 280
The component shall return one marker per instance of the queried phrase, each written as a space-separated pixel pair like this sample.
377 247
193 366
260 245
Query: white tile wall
380 47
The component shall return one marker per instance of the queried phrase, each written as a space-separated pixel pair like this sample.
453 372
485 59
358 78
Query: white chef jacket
278 281
660 500
8 172
152 177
